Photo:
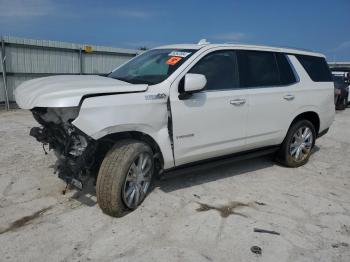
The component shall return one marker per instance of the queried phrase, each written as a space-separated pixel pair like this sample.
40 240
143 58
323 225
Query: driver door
212 122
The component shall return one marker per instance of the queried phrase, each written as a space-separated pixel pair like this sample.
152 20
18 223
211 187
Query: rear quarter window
316 67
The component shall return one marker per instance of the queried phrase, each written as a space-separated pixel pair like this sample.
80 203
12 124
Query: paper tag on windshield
179 54
173 60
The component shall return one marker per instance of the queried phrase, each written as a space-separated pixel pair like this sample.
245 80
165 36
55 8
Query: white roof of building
244 46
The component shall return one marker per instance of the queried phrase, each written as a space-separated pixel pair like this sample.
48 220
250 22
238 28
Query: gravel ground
203 216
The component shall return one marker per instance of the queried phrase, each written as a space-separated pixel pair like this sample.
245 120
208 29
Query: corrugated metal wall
27 59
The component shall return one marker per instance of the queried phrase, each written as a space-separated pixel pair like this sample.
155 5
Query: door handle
237 102
289 97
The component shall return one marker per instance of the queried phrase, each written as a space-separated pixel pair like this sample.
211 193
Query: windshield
152 67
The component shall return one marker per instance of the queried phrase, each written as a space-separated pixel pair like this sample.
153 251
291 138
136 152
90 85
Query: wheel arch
311 116
109 140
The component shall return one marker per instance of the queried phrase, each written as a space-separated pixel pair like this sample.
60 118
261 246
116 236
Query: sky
322 26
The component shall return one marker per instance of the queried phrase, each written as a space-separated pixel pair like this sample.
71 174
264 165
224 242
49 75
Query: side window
220 69
287 75
257 69
316 67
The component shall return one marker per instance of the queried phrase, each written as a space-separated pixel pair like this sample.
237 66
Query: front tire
125 177
296 148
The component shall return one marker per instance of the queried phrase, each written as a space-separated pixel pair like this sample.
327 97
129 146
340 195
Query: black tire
284 155
112 175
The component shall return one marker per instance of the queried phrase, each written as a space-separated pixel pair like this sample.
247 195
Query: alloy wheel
301 144
138 180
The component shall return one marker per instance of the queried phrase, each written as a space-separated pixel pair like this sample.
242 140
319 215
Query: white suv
177 106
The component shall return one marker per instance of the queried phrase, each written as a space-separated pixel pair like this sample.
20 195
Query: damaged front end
74 150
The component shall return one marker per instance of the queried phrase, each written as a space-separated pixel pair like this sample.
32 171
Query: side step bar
218 161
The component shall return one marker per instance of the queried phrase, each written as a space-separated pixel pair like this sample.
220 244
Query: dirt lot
308 206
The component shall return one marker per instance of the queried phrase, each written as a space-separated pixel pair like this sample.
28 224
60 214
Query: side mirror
192 83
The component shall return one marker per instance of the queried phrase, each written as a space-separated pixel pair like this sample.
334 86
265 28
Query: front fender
104 115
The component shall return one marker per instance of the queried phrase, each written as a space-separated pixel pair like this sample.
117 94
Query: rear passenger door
271 82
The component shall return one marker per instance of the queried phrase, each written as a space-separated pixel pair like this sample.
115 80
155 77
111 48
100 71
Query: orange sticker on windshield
173 60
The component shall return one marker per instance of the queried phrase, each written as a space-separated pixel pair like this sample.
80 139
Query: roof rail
236 43
296 48
289 47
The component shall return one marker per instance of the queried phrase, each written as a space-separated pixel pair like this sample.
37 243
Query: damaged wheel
125 177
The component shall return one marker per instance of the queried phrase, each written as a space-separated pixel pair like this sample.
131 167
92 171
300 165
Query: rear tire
296 148
120 175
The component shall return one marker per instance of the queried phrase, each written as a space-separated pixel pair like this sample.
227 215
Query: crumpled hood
67 90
